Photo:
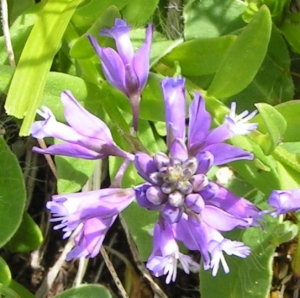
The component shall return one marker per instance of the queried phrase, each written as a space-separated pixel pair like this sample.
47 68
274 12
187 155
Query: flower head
122 68
191 207
96 211
86 136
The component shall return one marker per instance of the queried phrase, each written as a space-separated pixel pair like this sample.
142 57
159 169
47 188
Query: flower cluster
192 209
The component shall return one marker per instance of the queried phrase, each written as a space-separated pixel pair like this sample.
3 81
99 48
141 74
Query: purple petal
227 201
174 99
200 121
142 58
120 33
73 150
83 121
178 150
218 135
285 201
221 220
51 128
113 68
89 240
144 165
141 198
225 153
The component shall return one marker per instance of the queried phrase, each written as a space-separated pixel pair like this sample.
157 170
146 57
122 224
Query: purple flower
95 210
217 244
193 210
166 254
122 68
285 201
87 136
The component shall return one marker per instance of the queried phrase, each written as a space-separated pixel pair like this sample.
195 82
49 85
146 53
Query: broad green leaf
160 45
12 193
72 173
27 238
244 58
7 292
20 290
5 274
89 290
284 232
287 158
139 12
273 83
249 277
290 178
291 32
16 7
200 56
86 15
212 18
25 91
140 223
273 125
290 111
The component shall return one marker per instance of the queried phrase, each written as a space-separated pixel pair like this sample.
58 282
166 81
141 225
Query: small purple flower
87 136
95 210
166 254
125 70
285 201
217 244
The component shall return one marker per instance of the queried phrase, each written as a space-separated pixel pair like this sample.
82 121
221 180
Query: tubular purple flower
285 201
201 139
165 254
87 136
125 70
217 244
96 210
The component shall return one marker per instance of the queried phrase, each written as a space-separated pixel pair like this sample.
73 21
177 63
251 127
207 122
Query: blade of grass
30 76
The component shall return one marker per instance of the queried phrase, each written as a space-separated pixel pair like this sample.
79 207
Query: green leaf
140 222
12 193
7 292
16 7
291 32
28 236
86 15
212 18
5 275
200 56
73 173
20 290
284 232
273 125
273 83
25 91
139 12
90 291
244 58
290 111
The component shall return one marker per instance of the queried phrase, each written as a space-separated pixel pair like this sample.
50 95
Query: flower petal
83 121
200 121
174 99
224 153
